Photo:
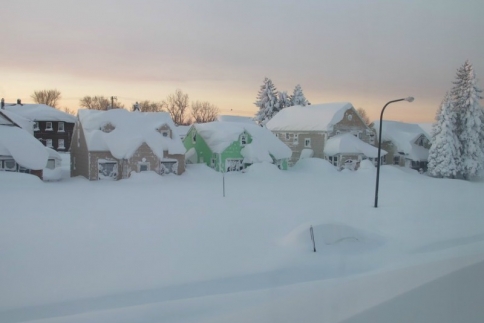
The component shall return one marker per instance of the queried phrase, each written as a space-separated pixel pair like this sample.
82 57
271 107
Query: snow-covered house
232 146
346 151
19 150
51 126
307 129
112 144
407 144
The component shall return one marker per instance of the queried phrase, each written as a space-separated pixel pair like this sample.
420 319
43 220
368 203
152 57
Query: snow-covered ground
173 249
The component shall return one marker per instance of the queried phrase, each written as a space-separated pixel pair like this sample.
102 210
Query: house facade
407 144
232 146
307 129
109 145
19 150
51 126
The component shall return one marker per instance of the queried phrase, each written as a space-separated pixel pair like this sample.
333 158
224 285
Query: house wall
204 153
181 161
42 134
143 154
355 126
79 153
297 145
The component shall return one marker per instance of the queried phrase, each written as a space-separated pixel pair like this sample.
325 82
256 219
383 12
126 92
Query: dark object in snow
311 231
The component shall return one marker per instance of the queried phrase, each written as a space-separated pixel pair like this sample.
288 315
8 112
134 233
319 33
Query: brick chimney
19 101
2 103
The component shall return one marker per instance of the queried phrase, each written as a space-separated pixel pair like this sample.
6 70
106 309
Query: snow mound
263 168
366 165
52 175
14 179
143 177
315 166
334 237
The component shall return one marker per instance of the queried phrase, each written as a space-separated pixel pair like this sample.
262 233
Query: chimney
136 106
19 101
3 103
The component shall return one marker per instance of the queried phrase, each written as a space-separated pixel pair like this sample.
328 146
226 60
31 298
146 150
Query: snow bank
51 175
131 130
366 165
316 166
318 117
263 169
10 180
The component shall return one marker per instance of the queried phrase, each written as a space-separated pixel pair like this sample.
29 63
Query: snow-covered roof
182 130
227 118
24 123
349 144
27 151
219 135
403 136
318 117
427 127
131 130
40 112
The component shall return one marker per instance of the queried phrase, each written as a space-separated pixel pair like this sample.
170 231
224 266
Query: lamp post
409 99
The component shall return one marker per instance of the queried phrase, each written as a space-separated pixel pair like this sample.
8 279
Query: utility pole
112 101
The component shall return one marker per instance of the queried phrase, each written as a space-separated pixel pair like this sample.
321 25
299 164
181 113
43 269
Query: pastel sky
366 52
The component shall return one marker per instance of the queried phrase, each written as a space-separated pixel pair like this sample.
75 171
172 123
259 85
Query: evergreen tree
465 102
298 97
444 153
284 100
266 102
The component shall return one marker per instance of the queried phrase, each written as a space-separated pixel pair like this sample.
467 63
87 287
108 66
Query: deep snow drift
172 249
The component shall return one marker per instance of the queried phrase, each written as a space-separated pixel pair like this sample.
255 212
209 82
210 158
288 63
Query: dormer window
107 128
61 127
48 126
36 126
243 140
165 134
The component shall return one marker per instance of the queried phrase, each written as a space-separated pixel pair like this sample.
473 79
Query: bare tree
177 104
70 111
48 97
364 116
204 112
150 106
99 103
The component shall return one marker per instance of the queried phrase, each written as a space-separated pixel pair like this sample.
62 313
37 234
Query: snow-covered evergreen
444 155
284 100
267 102
298 97
465 96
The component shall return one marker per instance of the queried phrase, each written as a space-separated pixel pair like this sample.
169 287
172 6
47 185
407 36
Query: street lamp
409 99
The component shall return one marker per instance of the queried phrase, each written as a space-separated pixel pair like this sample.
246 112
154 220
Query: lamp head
409 99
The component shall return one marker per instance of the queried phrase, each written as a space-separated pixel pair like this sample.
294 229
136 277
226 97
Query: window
143 166
48 143
164 133
50 164
307 142
212 162
372 139
48 125
287 136
335 161
8 164
396 160
60 144
243 140
296 138
61 127
36 126
194 137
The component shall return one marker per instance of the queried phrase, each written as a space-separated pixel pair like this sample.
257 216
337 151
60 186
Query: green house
232 146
